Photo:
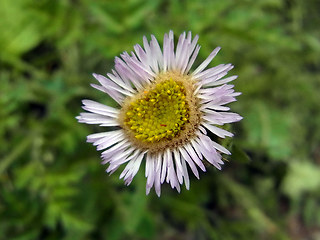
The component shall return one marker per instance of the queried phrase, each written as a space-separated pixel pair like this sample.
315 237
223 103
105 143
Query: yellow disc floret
165 114
160 113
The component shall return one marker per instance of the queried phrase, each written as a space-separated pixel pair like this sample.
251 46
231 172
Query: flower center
165 114
160 113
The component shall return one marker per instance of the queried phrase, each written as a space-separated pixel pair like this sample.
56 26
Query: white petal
197 149
136 166
115 95
117 158
115 148
164 167
108 137
193 58
186 157
99 106
220 148
179 168
207 61
211 119
194 157
222 81
214 106
217 131
107 83
122 84
157 53
185 174
110 141
210 154
179 53
132 168
172 177
128 158
214 71
157 182
96 136
150 172
93 118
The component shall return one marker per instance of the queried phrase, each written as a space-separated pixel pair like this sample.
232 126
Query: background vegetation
52 185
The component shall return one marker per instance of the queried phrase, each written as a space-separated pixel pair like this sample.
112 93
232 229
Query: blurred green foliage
51 183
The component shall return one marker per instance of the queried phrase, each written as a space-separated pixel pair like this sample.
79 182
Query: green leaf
239 155
302 177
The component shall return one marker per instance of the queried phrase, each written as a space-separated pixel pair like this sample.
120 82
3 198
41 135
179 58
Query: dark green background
52 185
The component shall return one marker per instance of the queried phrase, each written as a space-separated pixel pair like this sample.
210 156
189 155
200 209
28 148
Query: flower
165 112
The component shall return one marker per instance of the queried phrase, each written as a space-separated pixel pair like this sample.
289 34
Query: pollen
160 114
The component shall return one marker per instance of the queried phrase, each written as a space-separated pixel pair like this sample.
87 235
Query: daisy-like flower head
165 112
